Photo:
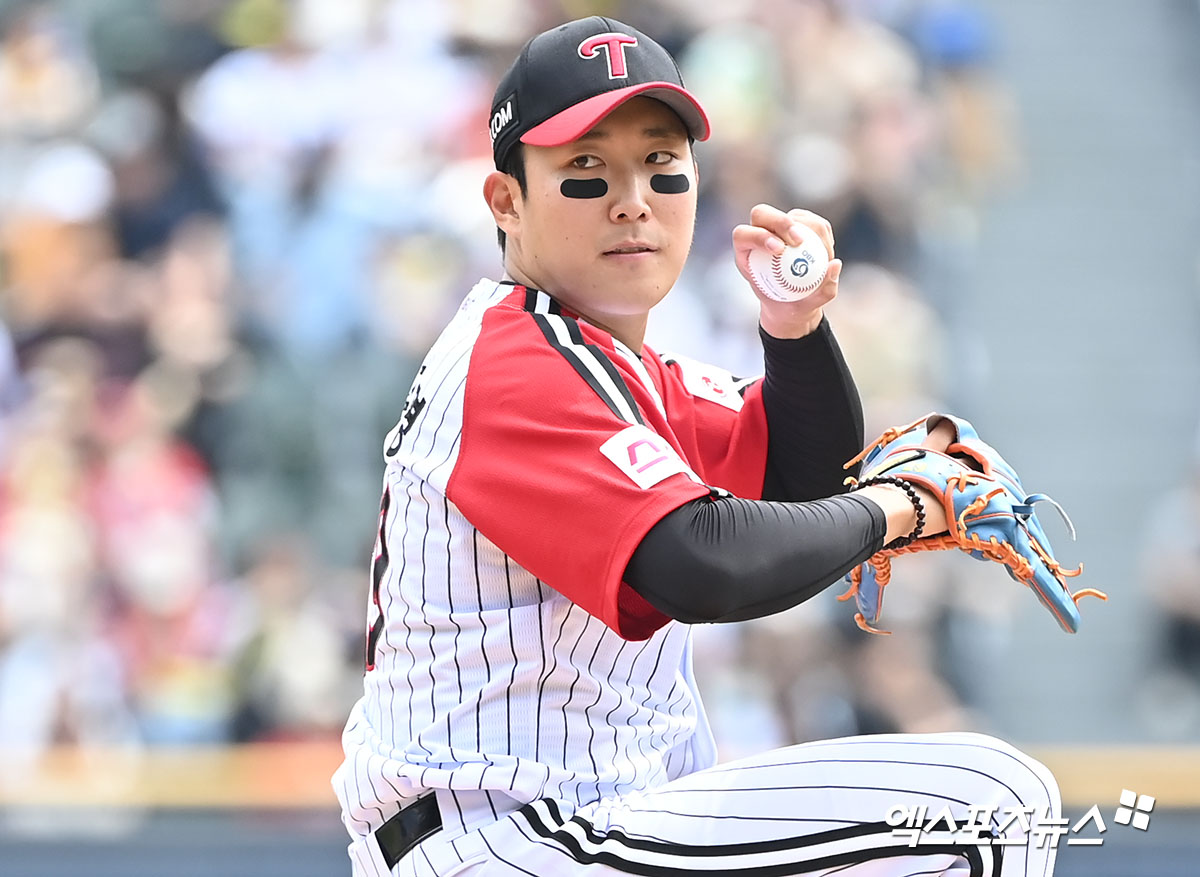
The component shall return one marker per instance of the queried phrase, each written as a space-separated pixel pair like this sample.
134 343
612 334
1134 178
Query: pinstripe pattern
504 690
556 747
727 821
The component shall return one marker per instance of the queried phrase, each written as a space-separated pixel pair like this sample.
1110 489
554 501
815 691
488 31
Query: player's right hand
772 229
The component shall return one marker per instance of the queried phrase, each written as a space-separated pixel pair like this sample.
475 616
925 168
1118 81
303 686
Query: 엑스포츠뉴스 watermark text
1013 826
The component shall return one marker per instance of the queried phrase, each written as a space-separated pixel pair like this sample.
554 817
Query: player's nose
631 198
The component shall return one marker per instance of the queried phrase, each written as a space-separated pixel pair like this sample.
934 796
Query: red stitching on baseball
783 281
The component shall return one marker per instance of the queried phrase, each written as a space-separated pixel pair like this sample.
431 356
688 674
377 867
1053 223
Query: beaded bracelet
913 497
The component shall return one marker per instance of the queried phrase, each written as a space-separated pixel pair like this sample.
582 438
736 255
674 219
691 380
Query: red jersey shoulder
558 464
705 381
532 350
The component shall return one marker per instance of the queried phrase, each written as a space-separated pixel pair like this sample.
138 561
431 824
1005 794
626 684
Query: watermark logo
1014 826
1135 809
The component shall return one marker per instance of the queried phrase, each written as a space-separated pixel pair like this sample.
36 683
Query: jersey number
378 566
413 406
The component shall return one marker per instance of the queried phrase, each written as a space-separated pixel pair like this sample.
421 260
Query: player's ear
503 195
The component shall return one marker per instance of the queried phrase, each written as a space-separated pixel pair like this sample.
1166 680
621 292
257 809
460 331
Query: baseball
792 274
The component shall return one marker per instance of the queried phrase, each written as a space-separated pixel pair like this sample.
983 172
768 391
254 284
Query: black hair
514 166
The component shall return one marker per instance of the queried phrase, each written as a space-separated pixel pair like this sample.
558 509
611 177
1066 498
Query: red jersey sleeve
562 466
721 419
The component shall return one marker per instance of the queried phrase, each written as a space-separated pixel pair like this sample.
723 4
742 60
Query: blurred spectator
160 180
53 233
153 509
47 81
266 116
974 152
897 382
319 141
285 691
60 676
191 332
978 119
1170 566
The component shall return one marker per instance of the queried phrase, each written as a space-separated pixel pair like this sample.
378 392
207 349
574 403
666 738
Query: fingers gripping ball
990 516
794 273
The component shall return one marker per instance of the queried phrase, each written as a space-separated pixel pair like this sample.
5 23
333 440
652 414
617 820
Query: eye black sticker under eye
670 184
596 188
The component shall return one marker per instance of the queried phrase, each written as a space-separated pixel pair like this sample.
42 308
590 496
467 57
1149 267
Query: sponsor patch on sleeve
646 457
709 382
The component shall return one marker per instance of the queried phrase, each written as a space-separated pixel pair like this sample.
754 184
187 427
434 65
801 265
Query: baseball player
561 503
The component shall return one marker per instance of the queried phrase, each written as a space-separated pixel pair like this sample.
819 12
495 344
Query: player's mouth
630 249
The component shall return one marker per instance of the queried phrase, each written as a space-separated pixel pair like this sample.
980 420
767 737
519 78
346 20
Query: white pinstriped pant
821 808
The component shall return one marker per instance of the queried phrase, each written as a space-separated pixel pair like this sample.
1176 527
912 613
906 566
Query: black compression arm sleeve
814 416
734 559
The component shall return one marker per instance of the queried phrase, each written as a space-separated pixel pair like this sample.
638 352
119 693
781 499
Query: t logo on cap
548 98
614 51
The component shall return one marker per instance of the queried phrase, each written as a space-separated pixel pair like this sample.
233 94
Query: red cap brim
575 121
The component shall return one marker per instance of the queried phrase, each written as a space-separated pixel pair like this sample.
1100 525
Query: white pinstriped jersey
507 661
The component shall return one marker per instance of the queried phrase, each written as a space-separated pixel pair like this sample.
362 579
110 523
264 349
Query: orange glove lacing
958 537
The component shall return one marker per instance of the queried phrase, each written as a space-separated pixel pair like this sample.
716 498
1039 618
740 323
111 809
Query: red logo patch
613 45
646 457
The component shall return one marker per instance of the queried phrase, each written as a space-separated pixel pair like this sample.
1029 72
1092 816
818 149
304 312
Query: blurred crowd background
229 230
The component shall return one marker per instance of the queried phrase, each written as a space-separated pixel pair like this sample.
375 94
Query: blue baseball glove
990 517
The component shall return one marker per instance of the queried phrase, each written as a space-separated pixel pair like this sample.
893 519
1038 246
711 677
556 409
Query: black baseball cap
568 78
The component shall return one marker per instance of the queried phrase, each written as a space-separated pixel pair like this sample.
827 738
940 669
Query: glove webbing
993 549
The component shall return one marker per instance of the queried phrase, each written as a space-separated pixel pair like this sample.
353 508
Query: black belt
408 828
